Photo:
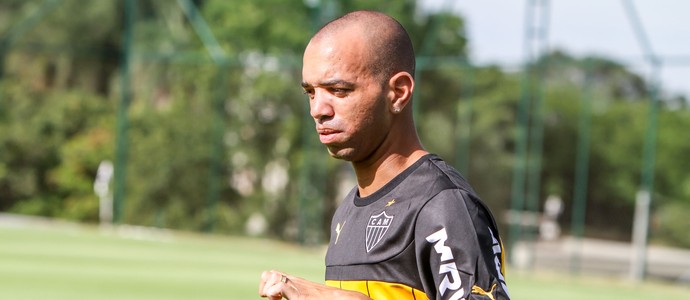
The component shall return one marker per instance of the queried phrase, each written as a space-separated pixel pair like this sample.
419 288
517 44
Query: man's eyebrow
333 82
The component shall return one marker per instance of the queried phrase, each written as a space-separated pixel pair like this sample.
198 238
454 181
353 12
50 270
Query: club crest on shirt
376 229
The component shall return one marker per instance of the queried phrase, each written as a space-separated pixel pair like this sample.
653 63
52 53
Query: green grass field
76 262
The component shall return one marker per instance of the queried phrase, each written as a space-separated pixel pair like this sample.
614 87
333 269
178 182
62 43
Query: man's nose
320 107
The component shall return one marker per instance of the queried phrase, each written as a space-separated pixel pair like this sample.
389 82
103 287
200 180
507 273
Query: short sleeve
456 249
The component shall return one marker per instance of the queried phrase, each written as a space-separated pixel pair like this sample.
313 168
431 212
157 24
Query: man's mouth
327 135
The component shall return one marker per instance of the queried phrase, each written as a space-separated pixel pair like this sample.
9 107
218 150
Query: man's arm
275 285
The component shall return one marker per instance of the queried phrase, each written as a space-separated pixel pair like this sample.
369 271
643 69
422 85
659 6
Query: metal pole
518 190
581 172
646 194
216 162
464 117
122 150
204 32
639 239
3 57
537 129
649 150
4 47
220 58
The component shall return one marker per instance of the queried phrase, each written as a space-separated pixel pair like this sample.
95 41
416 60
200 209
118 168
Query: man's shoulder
452 173
453 193
436 172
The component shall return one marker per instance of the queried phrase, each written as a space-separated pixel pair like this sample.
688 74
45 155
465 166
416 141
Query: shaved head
388 44
357 72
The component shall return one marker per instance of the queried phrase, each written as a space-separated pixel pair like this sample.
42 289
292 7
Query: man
412 228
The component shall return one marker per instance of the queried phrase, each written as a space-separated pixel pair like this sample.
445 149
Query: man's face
347 102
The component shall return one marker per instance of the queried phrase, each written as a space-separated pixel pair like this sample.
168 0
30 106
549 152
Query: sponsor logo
377 228
451 277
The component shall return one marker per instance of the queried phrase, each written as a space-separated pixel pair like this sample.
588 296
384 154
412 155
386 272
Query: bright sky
581 27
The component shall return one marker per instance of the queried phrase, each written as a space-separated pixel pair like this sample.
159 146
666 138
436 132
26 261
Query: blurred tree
45 135
619 118
59 90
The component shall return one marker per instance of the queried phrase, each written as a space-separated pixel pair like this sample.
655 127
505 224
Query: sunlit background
160 149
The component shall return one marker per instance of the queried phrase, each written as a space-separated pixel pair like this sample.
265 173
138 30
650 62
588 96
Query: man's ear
401 87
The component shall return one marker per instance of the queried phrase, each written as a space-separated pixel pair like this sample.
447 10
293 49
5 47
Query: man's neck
373 175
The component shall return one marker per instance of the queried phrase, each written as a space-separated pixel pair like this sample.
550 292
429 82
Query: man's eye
309 93
340 92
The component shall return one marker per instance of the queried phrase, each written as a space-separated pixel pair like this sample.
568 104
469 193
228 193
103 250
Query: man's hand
275 285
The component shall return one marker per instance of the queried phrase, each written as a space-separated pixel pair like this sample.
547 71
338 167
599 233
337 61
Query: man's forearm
276 285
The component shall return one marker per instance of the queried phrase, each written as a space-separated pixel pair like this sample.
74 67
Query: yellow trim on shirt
503 259
379 289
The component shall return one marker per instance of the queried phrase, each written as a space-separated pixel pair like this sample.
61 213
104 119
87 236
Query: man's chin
339 153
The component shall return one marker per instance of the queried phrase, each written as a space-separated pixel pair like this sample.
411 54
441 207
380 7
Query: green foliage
619 120
492 135
672 180
266 26
53 143
213 144
671 224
